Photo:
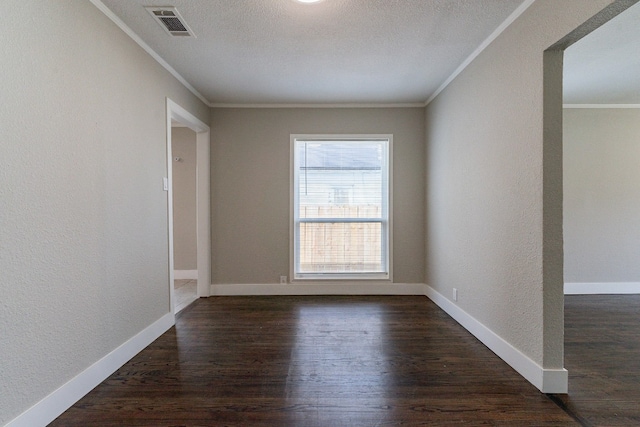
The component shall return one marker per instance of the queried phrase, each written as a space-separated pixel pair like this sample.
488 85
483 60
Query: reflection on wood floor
602 355
315 361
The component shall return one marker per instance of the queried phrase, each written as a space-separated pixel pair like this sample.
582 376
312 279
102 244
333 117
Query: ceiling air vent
171 21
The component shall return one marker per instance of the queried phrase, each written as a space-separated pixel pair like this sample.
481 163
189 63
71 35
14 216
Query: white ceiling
604 66
333 52
267 52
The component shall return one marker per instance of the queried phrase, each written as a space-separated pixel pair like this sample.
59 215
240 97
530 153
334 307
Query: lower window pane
341 248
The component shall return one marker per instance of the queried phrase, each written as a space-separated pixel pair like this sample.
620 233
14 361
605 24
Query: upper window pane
340 179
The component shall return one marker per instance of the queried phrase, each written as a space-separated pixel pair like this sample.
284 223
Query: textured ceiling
336 51
604 67
363 51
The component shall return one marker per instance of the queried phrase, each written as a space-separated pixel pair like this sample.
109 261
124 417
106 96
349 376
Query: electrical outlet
455 294
283 280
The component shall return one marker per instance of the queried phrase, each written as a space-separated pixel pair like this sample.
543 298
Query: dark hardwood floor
315 361
602 355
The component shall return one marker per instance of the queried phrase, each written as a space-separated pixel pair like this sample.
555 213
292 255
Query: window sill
341 278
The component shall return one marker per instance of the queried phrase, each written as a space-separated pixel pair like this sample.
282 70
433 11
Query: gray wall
485 151
183 145
250 159
84 233
602 195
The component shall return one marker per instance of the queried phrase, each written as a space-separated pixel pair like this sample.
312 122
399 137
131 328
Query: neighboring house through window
341 207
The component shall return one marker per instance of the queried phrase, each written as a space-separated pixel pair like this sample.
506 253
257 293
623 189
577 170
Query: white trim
124 27
49 408
175 113
554 381
318 288
346 105
127 30
602 288
546 380
185 274
601 106
169 188
203 211
184 117
390 181
387 208
185 304
510 20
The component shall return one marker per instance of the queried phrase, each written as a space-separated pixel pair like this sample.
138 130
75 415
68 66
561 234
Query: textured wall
183 145
250 159
83 241
602 195
485 183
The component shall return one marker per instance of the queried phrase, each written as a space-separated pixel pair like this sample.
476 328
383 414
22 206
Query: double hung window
341 206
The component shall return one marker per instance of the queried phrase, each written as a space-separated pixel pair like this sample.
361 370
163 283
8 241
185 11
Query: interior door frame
203 197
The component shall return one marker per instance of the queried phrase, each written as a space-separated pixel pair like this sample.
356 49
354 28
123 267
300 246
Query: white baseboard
185 274
316 288
602 288
49 408
546 380
185 304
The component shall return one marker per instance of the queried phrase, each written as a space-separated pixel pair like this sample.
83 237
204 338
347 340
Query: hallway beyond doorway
185 293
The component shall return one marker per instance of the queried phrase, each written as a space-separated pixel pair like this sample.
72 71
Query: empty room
314 213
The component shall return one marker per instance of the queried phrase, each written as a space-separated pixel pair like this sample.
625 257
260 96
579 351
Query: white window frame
386 222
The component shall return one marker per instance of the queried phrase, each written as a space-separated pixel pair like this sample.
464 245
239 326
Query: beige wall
602 195
250 159
183 145
84 232
485 232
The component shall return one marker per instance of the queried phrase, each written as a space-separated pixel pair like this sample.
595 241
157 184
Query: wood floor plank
315 361
602 355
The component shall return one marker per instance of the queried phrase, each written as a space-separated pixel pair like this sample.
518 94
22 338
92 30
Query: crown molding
601 106
128 31
346 105
507 22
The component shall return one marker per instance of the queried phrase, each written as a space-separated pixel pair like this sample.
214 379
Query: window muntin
341 207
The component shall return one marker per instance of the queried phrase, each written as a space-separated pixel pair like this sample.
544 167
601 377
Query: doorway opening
552 195
178 117
601 124
185 257
571 249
